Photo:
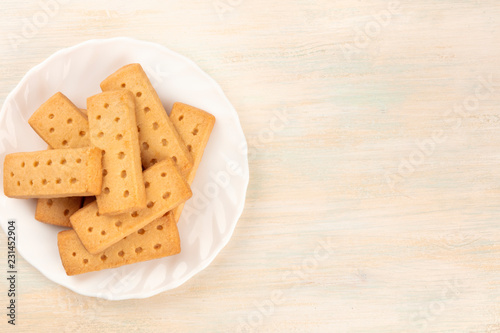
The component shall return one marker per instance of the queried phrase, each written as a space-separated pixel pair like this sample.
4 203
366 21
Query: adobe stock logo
224 6
370 31
219 181
428 313
296 276
452 122
277 123
48 9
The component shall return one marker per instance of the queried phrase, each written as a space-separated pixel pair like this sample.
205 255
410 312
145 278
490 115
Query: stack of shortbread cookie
117 173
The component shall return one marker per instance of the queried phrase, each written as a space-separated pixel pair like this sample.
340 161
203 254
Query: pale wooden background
417 253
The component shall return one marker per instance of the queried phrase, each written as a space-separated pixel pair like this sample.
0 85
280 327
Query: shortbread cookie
158 239
165 190
60 123
112 129
158 137
194 126
53 173
57 211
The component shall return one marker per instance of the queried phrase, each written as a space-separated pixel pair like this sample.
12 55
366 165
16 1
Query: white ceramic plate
219 190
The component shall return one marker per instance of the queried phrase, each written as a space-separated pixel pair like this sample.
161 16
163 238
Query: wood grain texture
382 148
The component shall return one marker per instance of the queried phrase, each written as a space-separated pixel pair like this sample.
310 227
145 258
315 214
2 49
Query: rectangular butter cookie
158 239
57 211
113 129
194 126
165 190
60 123
53 173
158 137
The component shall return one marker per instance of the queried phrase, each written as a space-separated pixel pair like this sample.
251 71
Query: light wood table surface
374 200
